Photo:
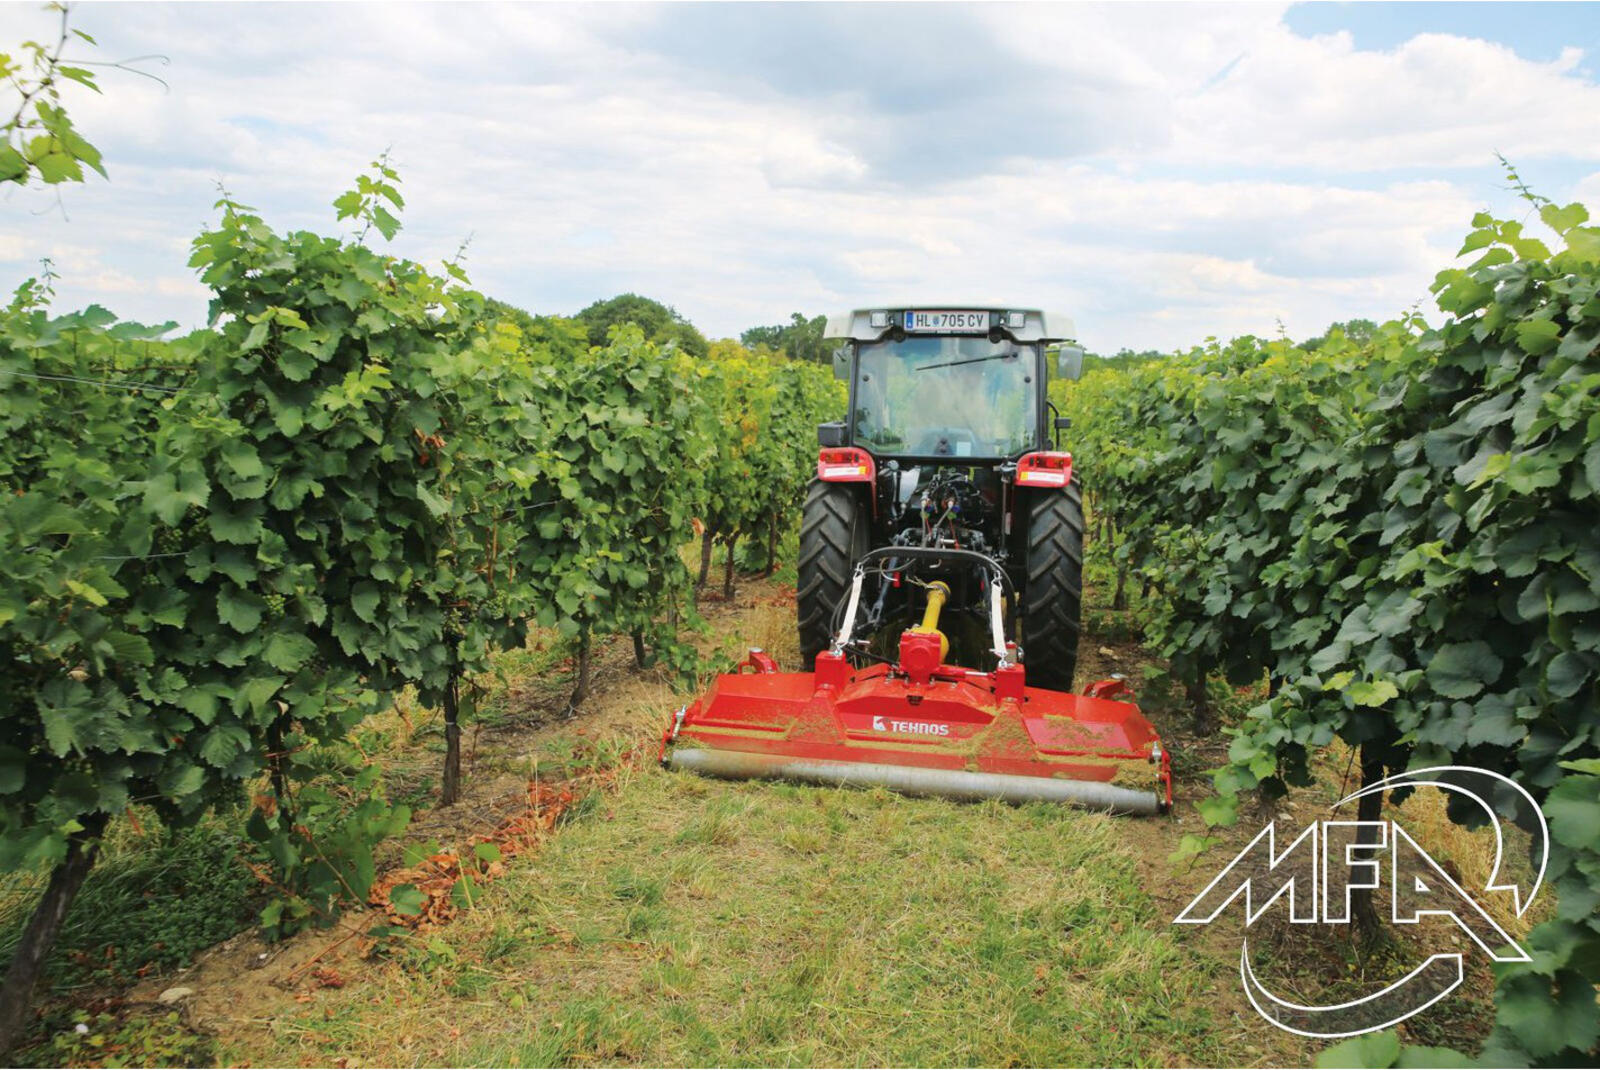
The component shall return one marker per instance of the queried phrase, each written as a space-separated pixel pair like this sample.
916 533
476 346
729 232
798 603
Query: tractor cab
946 396
948 386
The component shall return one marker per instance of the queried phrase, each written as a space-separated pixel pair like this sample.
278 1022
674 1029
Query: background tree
799 339
1122 358
1358 331
660 323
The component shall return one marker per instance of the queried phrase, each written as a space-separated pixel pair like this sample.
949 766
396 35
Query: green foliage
1368 1050
41 145
365 203
203 578
1400 532
322 855
563 338
768 411
660 323
1384 1050
117 1040
1122 358
799 339
83 689
220 553
361 478
312 470
611 484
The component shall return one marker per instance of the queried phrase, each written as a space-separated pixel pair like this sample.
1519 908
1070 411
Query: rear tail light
845 465
1047 469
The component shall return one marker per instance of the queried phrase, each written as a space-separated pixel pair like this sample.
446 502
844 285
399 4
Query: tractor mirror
841 363
830 435
1069 362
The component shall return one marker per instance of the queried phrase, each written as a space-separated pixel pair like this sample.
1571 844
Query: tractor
939 587
950 443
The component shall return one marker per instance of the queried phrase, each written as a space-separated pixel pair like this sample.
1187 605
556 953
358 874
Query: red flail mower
941 554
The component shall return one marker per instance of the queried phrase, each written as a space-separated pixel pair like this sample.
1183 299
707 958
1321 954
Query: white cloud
1161 173
1436 101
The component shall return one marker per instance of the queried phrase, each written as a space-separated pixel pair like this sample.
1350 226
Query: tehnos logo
910 728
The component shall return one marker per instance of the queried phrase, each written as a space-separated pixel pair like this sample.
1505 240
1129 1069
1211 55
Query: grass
697 922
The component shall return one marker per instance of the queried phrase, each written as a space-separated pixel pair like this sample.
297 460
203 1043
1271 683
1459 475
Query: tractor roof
873 322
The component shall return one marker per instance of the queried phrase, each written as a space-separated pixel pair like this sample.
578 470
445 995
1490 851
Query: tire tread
1052 598
832 536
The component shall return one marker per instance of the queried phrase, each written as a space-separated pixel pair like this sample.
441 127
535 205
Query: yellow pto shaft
938 594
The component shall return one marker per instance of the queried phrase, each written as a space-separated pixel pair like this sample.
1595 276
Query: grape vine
221 553
1399 534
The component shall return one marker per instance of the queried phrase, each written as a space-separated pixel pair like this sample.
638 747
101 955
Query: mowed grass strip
680 920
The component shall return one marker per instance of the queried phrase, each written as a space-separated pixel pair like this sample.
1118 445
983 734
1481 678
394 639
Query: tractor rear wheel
1053 595
833 537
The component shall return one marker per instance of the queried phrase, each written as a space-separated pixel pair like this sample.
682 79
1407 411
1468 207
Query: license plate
954 321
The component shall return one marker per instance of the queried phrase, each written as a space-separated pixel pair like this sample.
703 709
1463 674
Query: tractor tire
1052 597
833 537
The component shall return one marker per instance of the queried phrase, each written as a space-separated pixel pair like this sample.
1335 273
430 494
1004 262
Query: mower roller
940 570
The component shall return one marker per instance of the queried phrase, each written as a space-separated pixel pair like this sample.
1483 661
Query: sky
1162 173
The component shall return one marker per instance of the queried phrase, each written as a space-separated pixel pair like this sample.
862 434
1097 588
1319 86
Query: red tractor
940 578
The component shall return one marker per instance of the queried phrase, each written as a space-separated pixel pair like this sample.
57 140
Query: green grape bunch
169 541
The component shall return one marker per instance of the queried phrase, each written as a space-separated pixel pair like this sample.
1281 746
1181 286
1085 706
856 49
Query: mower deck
954 732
